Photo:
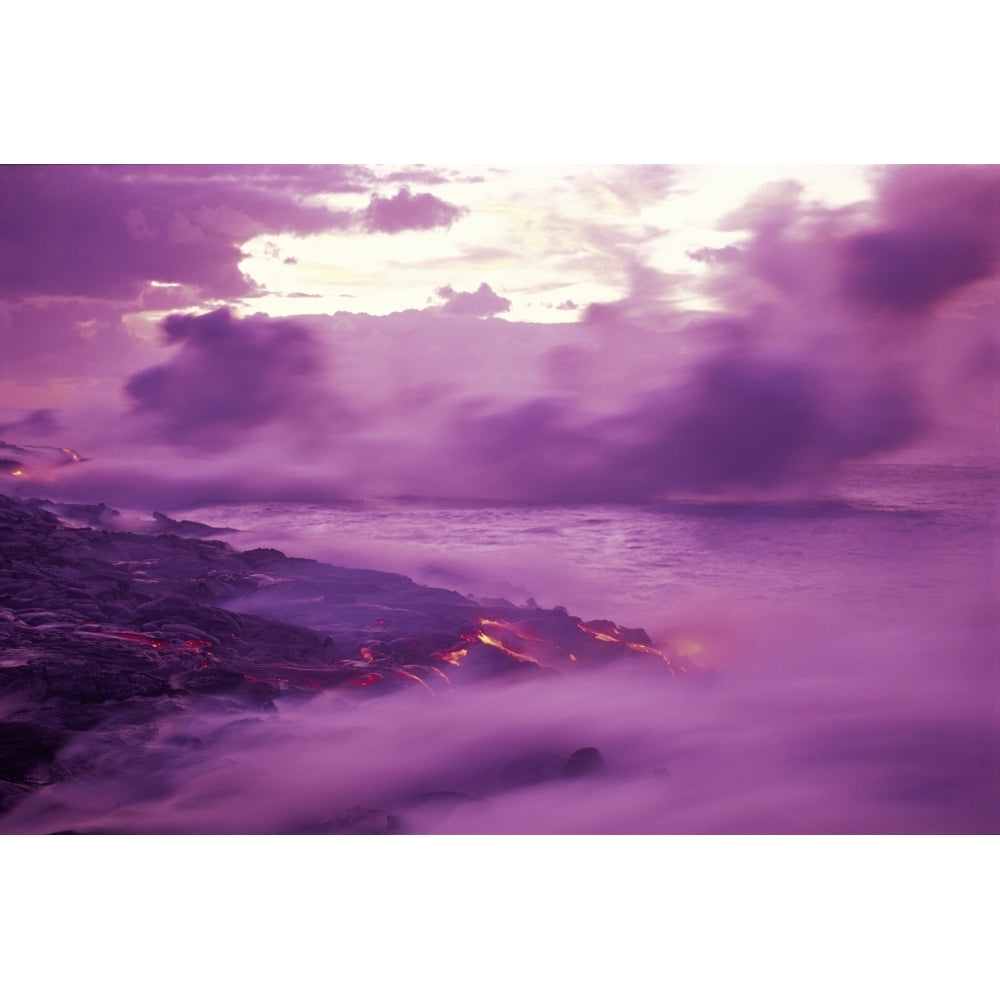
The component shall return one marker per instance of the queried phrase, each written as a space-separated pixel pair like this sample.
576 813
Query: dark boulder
583 762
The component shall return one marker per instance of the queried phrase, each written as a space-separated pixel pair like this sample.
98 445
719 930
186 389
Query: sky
180 334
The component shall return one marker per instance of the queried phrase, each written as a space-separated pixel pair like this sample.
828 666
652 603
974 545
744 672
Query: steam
882 729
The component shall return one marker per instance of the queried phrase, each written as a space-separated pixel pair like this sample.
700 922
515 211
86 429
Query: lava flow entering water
587 642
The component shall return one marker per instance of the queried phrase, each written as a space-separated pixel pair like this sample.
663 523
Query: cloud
813 357
53 338
736 424
40 423
939 231
417 175
405 211
714 255
106 232
230 377
482 302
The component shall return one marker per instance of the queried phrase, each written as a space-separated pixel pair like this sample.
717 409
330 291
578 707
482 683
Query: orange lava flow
366 680
517 630
399 671
453 657
488 640
440 674
637 647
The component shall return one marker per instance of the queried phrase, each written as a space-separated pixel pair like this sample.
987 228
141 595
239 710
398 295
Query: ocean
889 535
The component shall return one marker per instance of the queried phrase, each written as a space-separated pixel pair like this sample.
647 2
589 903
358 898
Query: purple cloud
482 302
737 424
51 338
826 346
408 211
714 255
940 230
106 232
417 175
230 378
41 424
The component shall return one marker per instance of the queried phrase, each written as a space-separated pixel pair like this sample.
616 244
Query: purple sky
547 333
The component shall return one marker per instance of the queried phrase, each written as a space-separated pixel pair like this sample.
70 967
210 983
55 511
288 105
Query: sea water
885 539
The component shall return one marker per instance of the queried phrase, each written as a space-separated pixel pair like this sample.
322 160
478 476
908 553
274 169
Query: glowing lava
616 636
489 640
518 630
366 680
511 639
453 657
400 672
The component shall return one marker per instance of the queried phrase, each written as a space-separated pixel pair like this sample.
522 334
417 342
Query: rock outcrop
105 632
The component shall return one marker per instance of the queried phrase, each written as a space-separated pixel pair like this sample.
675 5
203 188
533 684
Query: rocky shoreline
110 632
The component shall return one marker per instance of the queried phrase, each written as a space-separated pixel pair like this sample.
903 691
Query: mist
808 728
841 679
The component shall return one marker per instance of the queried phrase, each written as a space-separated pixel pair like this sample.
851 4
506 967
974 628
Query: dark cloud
939 230
230 377
106 232
80 246
482 302
417 175
714 255
927 233
431 175
604 312
40 424
736 425
743 422
408 211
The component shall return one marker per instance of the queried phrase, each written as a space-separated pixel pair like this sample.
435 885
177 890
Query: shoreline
106 634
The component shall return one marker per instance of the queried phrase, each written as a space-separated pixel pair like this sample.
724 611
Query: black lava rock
583 762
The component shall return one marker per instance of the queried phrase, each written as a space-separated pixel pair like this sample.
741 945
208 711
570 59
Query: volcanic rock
185 528
583 762
107 635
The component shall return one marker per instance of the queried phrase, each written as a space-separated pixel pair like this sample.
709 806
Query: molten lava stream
489 640
453 657
637 647
400 672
